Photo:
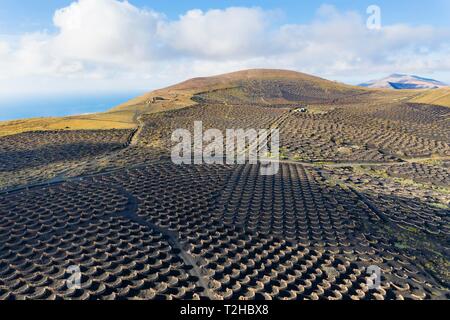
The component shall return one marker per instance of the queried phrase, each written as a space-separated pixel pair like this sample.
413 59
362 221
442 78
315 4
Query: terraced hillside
363 182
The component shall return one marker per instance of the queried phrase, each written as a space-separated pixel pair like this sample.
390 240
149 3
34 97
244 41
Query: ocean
57 106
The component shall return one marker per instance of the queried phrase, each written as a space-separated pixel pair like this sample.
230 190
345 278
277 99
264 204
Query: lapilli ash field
363 181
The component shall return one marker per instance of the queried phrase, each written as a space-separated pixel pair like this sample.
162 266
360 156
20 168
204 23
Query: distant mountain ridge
404 81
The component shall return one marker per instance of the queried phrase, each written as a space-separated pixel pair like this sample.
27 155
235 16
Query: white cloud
233 32
4 48
339 44
113 45
106 31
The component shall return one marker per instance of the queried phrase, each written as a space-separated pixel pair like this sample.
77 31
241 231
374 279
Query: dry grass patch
440 97
99 121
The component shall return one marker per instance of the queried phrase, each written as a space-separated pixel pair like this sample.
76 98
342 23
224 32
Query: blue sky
53 48
27 15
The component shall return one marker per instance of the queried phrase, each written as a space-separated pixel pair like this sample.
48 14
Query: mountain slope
440 97
403 81
255 85
262 86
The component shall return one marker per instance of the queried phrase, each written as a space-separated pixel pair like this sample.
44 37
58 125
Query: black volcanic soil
363 181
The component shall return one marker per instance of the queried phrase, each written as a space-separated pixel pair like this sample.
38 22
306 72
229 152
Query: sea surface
56 106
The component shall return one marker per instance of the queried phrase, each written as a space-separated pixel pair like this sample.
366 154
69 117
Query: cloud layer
113 45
